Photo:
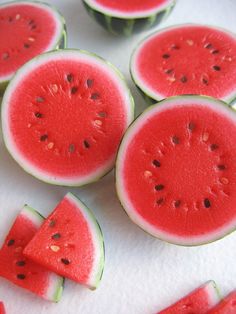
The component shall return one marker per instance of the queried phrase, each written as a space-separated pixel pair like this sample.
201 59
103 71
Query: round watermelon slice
2 308
63 116
26 30
176 170
21 271
128 16
199 301
186 59
226 306
70 243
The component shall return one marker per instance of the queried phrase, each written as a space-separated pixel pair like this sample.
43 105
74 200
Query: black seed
39 99
215 52
95 96
216 68
11 242
214 146
43 137
191 126
159 187
52 223
31 22
56 236
65 261
205 81
160 201
166 56
156 163
38 115
74 90
175 47
207 203
208 46
21 276
5 56
184 79
26 46
70 78
71 148
20 263
33 26
177 203
86 144
221 167
89 83
169 71
175 140
102 114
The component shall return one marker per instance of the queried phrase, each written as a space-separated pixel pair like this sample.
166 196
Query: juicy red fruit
226 306
2 308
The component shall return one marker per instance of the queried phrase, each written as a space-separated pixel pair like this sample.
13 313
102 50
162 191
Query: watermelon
226 306
2 308
126 17
176 170
198 301
74 109
186 59
70 243
20 270
26 30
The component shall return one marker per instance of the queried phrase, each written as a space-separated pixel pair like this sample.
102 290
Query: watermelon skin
70 243
226 306
198 301
58 41
21 271
159 211
2 308
126 25
157 85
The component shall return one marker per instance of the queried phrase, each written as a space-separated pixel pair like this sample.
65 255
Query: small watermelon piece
74 109
186 59
26 30
226 306
70 243
2 308
128 16
199 301
20 270
176 170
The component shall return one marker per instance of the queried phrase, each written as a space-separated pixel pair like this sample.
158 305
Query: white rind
97 237
137 77
128 15
32 215
169 103
213 293
58 18
32 66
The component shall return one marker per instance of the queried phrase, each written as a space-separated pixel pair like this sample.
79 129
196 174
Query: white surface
142 274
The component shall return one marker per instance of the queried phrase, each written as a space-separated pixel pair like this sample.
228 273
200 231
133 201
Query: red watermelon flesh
186 59
197 302
26 30
73 108
226 306
20 270
70 243
176 170
2 308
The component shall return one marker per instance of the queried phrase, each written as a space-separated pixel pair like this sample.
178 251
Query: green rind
124 25
117 187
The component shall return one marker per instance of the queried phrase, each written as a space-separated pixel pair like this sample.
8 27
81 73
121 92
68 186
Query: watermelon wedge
74 109
126 17
70 243
226 306
186 59
20 270
176 170
26 30
2 308
197 302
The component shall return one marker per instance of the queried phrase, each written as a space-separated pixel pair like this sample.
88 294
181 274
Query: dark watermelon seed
70 78
65 261
10 19
56 236
33 26
221 167
86 144
38 115
207 203
102 114
175 140
21 276
214 147
177 203
26 45
156 163
166 56
183 79
169 71
31 22
191 126
95 96
214 52
40 99
20 263
175 47
43 137
5 56
52 223
71 148
160 201
159 187
216 68
11 242
89 83
208 46
205 81
74 90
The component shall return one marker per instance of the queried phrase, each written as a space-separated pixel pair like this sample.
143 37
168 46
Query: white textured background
142 275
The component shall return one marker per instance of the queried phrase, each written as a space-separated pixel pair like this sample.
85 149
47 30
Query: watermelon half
128 16
70 243
226 306
186 59
176 170
63 116
26 30
198 301
21 271
2 308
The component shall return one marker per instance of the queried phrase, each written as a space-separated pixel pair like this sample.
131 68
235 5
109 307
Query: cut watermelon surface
2 308
26 30
74 109
197 302
176 170
70 243
226 306
186 59
20 270
128 16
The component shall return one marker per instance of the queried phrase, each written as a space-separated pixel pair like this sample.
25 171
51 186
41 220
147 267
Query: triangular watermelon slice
197 302
70 243
2 308
20 270
226 306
